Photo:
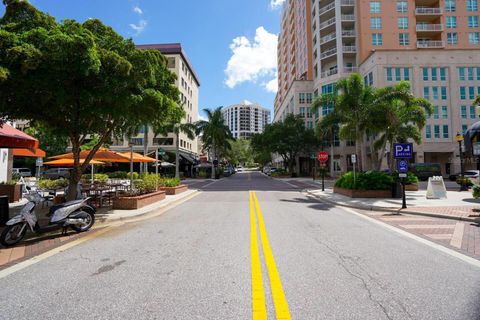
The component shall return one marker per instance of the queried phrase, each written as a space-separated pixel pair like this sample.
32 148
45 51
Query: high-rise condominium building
433 44
188 84
246 119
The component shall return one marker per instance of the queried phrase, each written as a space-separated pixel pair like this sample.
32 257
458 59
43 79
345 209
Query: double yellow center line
259 310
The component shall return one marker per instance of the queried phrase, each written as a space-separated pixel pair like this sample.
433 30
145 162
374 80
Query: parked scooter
76 214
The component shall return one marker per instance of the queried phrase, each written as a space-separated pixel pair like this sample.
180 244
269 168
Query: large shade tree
79 79
215 133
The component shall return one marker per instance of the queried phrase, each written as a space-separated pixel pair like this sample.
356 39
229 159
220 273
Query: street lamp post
459 138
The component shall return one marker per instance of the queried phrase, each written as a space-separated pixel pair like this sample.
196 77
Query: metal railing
349 49
348 33
328 53
328 38
426 44
429 27
327 23
428 11
350 69
326 8
348 17
348 2
329 73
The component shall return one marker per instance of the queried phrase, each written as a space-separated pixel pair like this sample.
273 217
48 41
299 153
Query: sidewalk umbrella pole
156 159
91 172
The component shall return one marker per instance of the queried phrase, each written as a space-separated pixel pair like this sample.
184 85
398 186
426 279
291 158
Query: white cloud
139 27
275 4
137 10
251 61
272 85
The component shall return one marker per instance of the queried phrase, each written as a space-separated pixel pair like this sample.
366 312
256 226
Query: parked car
473 174
22 172
425 170
266 170
228 171
57 173
239 169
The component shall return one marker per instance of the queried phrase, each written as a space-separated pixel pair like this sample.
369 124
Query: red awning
13 138
29 153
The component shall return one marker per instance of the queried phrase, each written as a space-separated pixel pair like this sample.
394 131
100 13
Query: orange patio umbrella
37 153
137 157
69 162
103 154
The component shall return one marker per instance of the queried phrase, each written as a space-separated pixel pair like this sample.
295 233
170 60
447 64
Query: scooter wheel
13 234
89 223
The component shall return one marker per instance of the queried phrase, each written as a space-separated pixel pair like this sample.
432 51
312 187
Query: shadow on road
311 203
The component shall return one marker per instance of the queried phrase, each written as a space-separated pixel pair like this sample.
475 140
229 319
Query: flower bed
363 193
170 191
137 202
13 191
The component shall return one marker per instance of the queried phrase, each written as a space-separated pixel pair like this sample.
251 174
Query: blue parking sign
403 150
402 166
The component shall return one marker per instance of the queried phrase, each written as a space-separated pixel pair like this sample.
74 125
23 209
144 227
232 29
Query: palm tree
176 128
215 134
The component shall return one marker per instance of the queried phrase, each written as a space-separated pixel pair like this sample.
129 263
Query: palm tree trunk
332 158
357 149
177 156
213 158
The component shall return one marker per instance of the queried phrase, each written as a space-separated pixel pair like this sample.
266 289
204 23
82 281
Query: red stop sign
322 156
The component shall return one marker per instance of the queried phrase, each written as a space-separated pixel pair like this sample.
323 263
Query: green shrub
171 182
52 184
370 180
135 175
464 181
203 174
148 183
476 191
118 175
101 177
182 175
410 179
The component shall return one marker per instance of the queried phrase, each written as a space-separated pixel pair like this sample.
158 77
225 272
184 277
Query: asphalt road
199 261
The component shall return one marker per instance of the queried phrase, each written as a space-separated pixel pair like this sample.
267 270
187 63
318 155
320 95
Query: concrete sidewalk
458 205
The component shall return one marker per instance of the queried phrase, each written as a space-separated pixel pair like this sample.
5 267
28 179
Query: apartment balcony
329 53
329 73
349 49
430 44
422 11
347 3
346 33
327 23
348 17
350 69
429 27
328 38
327 8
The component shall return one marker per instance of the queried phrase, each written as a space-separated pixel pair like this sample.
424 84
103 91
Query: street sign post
354 160
402 168
403 150
322 156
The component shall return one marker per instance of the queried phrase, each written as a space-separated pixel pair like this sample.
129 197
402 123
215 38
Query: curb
393 210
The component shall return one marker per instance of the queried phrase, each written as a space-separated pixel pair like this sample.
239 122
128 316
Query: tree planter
363 193
411 187
14 192
170 191
137 202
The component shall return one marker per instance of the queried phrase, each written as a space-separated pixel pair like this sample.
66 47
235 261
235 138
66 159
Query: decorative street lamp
463 185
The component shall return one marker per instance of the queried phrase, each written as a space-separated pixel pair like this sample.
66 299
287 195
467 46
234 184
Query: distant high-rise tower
246 119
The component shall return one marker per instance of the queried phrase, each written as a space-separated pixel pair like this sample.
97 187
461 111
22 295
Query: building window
444 112
434 74
436 131
425 74
428 132
450 6
406 74
470 73
374 6
471 93
389 74
464 128
377 39
309 97
444 92
473 21
436 115
472 5
478 73
451 22
301 98
434 93
402 6
398 74
376 23
473 113
445 131
461 73
327 109
426 93
368 79
452 38
473 37
402 23
463 93
463 112
443 74
404 39
302 112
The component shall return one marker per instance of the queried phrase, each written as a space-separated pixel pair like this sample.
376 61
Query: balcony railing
328 38
348 2
350 69
429 27
348 33
327 23
328 53
428 11
428 44
329 73
348 17
328 7
349 49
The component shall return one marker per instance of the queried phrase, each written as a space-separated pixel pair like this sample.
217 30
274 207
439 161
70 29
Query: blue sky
230 43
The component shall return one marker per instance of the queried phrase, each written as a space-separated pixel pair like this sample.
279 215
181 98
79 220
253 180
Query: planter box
411 187
14 192
170 191
363 193
137 202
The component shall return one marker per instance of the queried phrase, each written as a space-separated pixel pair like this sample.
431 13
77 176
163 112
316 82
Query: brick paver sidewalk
457 211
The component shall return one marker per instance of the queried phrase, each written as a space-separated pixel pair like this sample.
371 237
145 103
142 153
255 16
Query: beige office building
188 84
433 44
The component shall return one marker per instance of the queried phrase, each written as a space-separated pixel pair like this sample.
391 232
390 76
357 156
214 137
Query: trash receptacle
397 190
4 215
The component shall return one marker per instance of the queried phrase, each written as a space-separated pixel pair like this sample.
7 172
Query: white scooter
76 214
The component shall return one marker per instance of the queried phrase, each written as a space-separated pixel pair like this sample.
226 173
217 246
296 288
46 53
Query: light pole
459 138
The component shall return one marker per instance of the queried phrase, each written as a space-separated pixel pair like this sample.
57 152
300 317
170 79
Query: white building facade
246 119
